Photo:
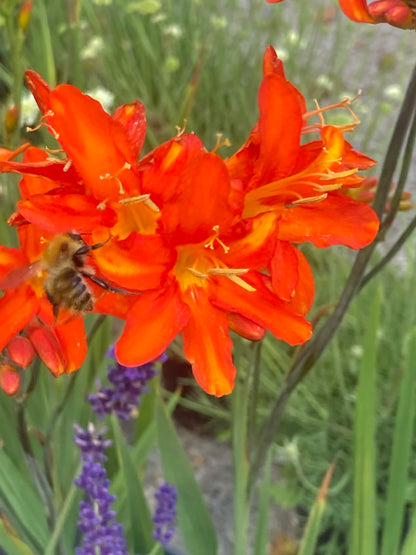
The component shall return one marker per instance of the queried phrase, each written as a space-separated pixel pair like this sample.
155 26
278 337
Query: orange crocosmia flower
300 183
399 13
214 282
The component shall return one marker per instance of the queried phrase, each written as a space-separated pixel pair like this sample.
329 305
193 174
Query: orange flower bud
24 15
9 379
11 119
47 346
21 351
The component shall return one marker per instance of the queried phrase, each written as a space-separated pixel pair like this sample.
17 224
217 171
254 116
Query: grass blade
401 452
363 533
194 519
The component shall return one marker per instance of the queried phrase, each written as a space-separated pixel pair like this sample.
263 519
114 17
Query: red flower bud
24 15
9 379
47 346
11 119
21 351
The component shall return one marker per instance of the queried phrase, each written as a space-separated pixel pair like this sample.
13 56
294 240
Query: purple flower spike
102 535
165 513
128 386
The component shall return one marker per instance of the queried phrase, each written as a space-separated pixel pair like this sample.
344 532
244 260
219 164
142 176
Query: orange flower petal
357 10
39 88
280 125
271 62
262 307
284 270
9 259
304 292
153 321
59 213
256 247
338 219
139 262
97 144
17 308
201 201
73 342
207 345
164 165
133 118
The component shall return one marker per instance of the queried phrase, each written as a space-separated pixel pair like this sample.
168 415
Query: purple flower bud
165 513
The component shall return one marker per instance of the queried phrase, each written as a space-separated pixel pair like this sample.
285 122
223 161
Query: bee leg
85 249
107 286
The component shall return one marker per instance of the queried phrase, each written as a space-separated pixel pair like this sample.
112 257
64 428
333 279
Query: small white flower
173 30
93 49
393 92
357 351
293 37
104 97
29 109
324 82
219 22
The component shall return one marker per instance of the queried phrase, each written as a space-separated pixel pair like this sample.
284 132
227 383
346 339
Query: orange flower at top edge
399 13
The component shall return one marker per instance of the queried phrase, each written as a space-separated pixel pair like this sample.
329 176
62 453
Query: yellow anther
338 175
307 200
141 198
68 164
233 274
197 274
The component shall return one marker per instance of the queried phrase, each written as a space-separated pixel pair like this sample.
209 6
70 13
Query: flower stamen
307 200
233 274
220 143
141 198
345 103
211 241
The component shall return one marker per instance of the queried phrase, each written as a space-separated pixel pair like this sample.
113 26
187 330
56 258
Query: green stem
404 172
240 461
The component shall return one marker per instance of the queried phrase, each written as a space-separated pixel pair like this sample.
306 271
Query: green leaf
364 528
194 519
23 501
401 452
139 527
409 546
12 544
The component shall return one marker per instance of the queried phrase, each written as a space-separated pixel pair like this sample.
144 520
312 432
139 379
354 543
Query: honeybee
64 262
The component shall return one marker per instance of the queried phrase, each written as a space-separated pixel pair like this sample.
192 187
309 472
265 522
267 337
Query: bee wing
18 275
